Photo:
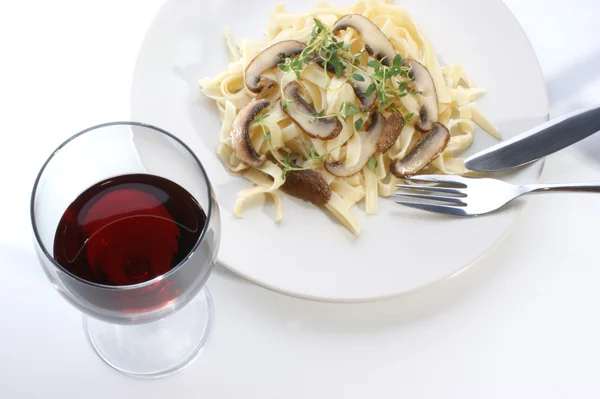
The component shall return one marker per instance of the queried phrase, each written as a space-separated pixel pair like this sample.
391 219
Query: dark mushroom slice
391 131
307 185
376 42
425 152
359 86
240 136
368 142
428 114
267 59
306 117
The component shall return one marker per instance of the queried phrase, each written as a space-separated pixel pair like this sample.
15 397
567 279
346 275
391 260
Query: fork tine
438 189
446 209
454 200
446 179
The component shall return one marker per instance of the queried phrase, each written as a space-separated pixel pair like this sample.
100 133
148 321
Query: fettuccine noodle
328 93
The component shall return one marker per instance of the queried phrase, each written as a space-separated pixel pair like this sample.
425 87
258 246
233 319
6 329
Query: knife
538 142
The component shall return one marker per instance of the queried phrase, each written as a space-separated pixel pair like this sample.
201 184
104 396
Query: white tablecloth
522 323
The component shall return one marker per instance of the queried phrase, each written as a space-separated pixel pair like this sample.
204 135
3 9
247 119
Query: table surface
521 323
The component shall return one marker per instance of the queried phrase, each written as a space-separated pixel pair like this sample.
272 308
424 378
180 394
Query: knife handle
538 142
583 122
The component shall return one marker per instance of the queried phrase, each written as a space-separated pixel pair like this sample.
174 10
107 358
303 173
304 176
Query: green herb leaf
338 67
358 77
393 71
398 60
319 24
358 124
408 117
372 87
313 33
372 163
357 57
284 105
351 110
267 137
374 64
260 118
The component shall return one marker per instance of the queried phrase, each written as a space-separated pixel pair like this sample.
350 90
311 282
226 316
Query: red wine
128 229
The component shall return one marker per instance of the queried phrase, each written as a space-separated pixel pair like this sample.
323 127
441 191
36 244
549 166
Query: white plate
309 254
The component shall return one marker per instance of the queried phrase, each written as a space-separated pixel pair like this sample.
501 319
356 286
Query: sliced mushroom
360 89
376 42
267 59
307 185
425 152
270 91
428 114
240 136
368 147
359 86
391 130
306 117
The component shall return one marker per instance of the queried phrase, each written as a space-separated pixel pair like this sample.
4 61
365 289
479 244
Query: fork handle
586 187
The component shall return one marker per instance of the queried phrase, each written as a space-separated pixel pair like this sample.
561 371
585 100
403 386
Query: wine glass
157 324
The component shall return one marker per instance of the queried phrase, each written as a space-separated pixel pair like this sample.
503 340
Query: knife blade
538 142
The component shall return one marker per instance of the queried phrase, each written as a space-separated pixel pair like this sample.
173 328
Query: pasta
281 144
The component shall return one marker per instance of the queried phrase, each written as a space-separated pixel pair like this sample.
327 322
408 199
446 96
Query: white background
523 322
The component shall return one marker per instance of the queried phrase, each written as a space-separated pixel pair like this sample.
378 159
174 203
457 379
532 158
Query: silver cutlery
538 142
472 196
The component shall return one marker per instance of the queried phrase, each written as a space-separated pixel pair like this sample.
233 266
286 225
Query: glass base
154 349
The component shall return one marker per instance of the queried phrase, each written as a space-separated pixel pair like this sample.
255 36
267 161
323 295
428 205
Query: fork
472 196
